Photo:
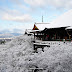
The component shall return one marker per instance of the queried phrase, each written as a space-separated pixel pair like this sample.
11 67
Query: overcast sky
22 14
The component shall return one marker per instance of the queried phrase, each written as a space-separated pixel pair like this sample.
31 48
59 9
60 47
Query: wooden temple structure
53 34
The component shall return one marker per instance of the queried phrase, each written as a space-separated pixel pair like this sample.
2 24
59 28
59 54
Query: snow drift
18 56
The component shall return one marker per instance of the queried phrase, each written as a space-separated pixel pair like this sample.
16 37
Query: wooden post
69 36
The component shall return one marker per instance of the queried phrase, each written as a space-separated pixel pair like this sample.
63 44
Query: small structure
28 32
40 45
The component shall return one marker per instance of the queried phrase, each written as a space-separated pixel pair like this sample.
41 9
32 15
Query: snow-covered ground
18 56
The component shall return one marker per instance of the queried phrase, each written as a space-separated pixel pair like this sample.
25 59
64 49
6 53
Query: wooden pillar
69 36
55 36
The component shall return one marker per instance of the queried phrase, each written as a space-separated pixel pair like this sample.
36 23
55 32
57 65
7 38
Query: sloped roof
41 26
63 20
35 27
69 27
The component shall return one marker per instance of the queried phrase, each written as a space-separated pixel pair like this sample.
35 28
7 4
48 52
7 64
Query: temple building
59 29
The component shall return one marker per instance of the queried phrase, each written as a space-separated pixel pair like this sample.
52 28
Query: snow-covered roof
69 27
63 20
31 31
42 26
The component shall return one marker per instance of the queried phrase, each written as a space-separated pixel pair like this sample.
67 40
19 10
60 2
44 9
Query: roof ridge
42 23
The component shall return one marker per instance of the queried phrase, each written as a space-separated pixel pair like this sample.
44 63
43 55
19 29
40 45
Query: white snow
69 27
42 26
18 56
63 20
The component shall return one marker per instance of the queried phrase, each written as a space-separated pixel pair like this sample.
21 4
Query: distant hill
8 34
16 34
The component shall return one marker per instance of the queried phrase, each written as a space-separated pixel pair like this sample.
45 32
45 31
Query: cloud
15 15
9 11
35 2
67 4
19 4
20 18
16 1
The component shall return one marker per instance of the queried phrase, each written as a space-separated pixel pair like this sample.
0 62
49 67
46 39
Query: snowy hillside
18 56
